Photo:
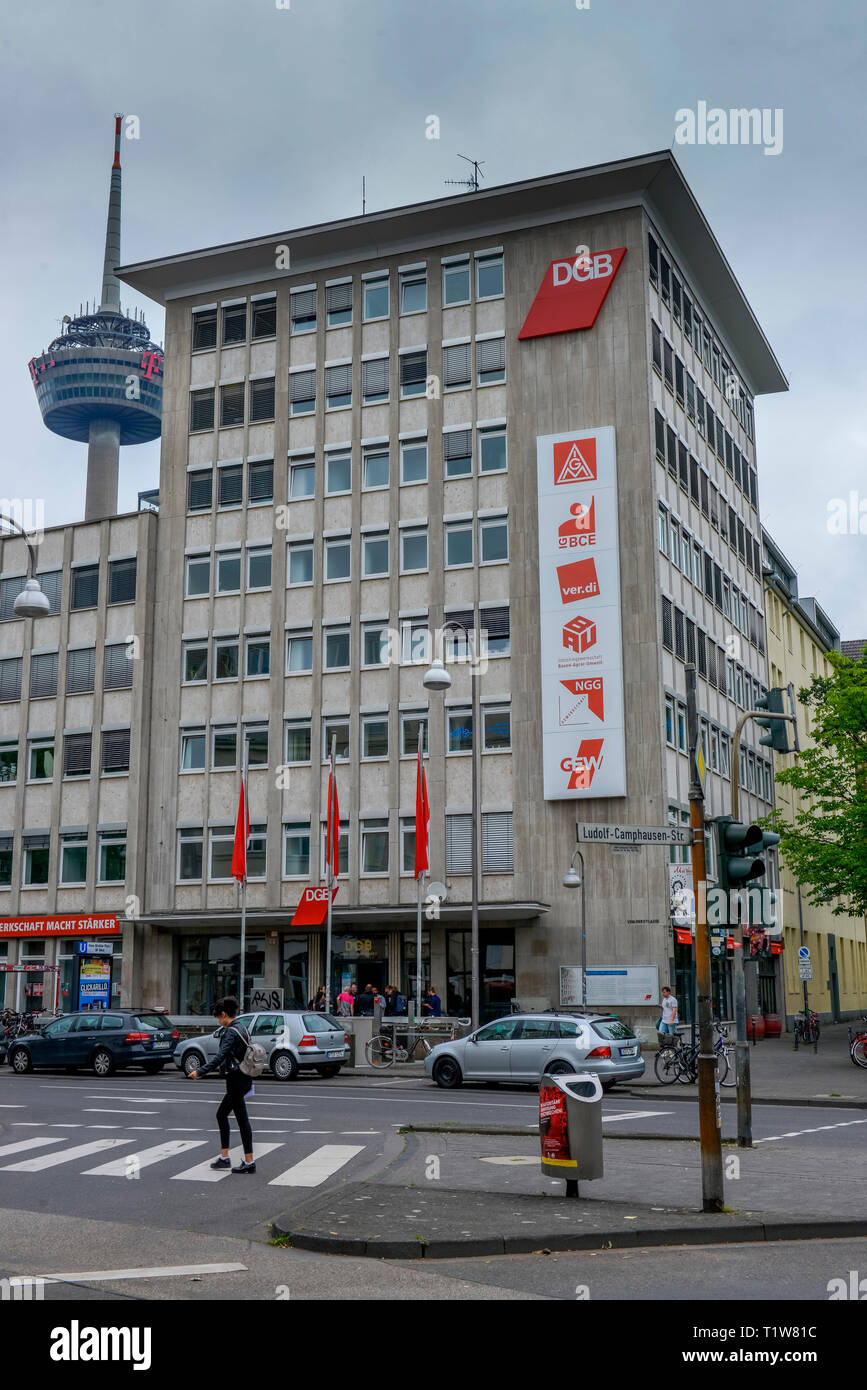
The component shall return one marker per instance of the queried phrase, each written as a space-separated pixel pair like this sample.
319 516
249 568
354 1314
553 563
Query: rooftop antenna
472 185
363 195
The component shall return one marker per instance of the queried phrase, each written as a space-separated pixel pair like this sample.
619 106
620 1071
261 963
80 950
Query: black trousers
237 1087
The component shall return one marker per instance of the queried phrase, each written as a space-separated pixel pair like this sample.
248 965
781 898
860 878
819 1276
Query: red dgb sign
571 294
312 910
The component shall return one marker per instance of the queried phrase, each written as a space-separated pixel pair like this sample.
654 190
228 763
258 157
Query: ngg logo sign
572 293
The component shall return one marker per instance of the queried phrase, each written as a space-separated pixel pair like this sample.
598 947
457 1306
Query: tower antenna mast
471 184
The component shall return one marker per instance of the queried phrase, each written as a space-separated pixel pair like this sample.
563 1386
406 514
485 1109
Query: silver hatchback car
521 1047
294 1040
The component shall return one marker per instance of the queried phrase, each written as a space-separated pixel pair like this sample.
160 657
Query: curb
832 1103
530 1132
615 1239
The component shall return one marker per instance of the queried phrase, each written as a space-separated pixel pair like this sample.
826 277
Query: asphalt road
101 1176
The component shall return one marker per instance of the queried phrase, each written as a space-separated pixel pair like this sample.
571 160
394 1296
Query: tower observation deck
100 382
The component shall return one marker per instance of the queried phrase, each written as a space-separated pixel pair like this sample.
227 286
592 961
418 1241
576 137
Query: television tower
100 382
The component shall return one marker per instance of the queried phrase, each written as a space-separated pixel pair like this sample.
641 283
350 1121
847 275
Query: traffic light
777 736
741 862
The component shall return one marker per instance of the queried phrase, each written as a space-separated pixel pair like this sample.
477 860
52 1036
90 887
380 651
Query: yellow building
799 636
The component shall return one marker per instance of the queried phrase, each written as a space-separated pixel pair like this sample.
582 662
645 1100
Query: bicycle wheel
723 1069
730 1078
687 1072
380 1051
666 1066
416 1046
858 1051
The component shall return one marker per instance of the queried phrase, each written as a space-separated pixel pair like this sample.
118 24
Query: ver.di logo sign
571 294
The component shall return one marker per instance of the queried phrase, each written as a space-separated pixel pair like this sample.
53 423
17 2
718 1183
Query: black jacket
364 1004
233 1044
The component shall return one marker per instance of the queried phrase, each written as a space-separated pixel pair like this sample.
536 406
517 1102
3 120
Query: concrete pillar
103 456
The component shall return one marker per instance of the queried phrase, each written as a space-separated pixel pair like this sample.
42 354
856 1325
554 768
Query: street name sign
633 834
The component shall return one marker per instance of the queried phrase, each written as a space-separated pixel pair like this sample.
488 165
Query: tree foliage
825 845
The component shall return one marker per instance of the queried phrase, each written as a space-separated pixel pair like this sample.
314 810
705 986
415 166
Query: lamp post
438 678
574 880
31 602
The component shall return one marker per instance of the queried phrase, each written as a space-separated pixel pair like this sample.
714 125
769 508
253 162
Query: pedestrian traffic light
777 736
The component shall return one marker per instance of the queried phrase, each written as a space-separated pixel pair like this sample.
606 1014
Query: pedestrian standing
668 1020
433 1005
346 1002
233 1046
364 1002
317 1004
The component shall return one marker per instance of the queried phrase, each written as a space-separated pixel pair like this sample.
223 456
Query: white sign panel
610 984
584 753
607 834
682 898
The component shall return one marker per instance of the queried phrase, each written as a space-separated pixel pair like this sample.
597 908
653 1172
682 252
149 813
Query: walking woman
233 1045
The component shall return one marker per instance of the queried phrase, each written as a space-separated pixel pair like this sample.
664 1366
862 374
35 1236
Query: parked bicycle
807 1028
405 1042
858 1046
678 1060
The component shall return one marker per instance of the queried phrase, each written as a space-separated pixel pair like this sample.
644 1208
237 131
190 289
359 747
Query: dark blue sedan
102 1041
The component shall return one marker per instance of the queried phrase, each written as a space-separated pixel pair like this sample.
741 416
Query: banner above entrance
58 926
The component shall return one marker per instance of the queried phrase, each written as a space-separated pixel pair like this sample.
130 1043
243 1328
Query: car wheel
284 1066
447 1073
19 1060
192 1061
608 1085
560 1069
102 1063
153 1068
328 1071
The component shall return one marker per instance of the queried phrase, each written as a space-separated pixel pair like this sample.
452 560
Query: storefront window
293 972
496 973
32 981
359 960
209 970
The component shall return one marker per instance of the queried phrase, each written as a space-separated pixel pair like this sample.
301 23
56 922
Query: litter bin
570 1127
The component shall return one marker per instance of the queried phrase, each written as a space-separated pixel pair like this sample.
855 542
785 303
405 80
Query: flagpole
328 833
244 879
419 882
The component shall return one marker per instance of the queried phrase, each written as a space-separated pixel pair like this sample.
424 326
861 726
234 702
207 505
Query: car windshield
612 1028
153 1022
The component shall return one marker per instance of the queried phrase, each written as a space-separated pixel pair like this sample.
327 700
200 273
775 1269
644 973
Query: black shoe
245 1167
222 1163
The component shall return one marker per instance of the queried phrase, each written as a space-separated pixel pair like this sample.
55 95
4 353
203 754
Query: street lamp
572 879
438 678
31 602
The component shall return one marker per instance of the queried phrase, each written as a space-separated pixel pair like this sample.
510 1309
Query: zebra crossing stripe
36 1165
318 1166
122 1167
21 1144
203 1172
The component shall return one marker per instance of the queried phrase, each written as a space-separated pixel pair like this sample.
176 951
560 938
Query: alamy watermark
737 126
847 516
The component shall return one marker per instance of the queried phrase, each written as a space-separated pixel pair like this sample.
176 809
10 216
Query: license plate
628 1051
335 1054
162 1045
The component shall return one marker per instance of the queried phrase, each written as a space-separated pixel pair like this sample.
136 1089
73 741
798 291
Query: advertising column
583 740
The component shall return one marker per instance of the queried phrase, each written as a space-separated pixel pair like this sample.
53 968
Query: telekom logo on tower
571 294
574 462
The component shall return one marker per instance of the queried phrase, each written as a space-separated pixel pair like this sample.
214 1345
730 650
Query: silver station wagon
521 1047
294 1041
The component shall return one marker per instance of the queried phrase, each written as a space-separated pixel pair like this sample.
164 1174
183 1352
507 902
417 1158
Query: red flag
422 820
332 833
242 834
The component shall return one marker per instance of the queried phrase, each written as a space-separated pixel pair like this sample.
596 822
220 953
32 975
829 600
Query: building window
337 730
193 750
662 529
232 405
336 649
459 729
457 453
456 366
200 490
299 653
80 663
458 544
190 855
374 555
302 480
256 744
493 541
202 410
8 761
121 581
375 644
374 846
497 728
35 860
197 576
498 849
262 399
264 318
43 675
338 474
228 571
337 559
656 345
681 727
204 330
491 361
374 381
459 844
195 662
85 587
338 304
302 391
224 748
413 550
492 451
115 751
407 845
413 292
300 563
413 373
489 276
375 470
374 736
10 678
5 881
231 485
296 849
259 567
666 624
226 659
376 298
40 760
410 723
653 259
73 860
495 629
51 585
456 282
260 481
258 657
302 311
415 642
669 720
221 846
342 848
234 324
413 461
298 741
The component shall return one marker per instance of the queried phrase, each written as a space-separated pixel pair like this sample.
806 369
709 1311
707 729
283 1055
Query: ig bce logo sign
572 293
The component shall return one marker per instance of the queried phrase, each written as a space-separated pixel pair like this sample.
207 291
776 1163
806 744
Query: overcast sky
256 119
